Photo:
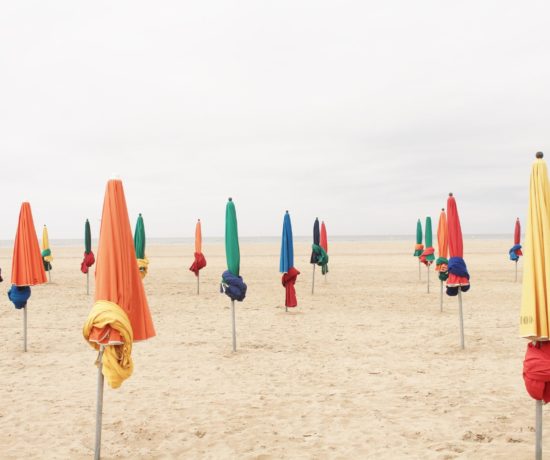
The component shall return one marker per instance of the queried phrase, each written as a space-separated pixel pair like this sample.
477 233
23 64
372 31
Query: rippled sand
368 367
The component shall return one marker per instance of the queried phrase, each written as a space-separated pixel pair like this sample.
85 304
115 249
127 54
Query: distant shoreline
72 242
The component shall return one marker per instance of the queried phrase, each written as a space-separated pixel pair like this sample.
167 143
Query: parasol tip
230 199
540 155
286 211
451 194
442 209
198 220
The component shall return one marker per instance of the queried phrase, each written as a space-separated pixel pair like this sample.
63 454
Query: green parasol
232 253
418 248
87 237
139 245
429 239
139 238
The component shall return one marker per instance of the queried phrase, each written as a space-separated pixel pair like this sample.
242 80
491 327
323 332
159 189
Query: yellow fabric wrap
117 359
535 301
143 264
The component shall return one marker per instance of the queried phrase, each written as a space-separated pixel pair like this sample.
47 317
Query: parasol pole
428 269
88 282
25 328
441 297
419 270
538 431
198 283
234 328
516 271
461 317
313 280
99 404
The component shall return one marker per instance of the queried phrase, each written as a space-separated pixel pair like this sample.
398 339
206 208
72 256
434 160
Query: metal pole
419 271
88 282
441 297
234 328
313 280
516 271
538 449
99 404
428 269
50 275
461 318
25 328
198 283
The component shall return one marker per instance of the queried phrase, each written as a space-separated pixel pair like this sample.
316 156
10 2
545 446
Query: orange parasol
27 268
117 273
200 261
120 314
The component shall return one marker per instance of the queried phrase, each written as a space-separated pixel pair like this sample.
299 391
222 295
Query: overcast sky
363 113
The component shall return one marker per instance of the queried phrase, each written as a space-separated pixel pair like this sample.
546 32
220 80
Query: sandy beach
368 367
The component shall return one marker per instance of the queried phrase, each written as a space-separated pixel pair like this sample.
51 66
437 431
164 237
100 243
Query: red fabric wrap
427 252
536 371
454 280
198 264
289 280
88 261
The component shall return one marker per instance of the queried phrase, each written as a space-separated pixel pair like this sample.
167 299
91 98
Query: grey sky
364 113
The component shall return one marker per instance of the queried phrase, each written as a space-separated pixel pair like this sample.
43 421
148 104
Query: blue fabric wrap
233 286
457 267
19 295
452 291
513 256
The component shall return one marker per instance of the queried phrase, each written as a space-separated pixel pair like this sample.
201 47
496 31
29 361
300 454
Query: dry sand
366 368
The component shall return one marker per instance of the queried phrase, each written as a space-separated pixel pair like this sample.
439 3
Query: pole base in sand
538 430
99 403
234 327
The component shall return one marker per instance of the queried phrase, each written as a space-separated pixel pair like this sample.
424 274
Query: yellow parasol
536 286
47 253
536 293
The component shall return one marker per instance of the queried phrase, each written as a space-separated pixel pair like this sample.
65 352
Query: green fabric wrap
322 258
46 252
442 261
